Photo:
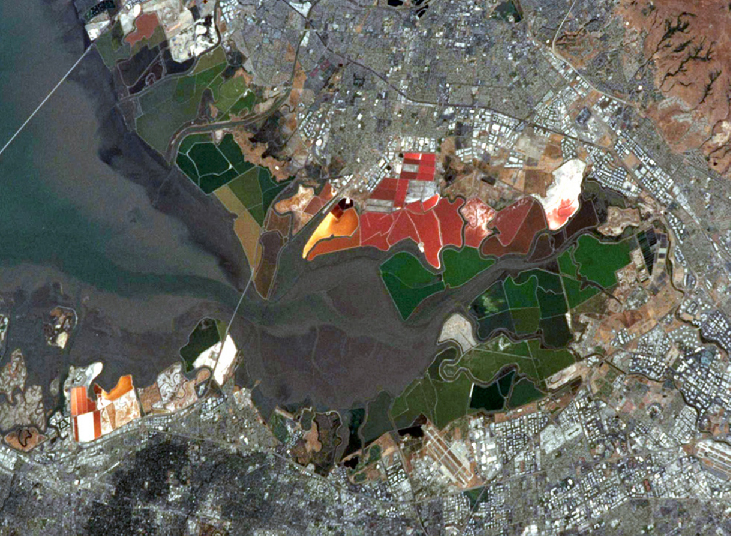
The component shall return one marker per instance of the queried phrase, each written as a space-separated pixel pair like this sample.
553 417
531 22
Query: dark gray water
136 247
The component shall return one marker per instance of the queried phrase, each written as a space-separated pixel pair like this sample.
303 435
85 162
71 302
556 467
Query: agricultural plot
462 265
520 305
485 361
439 401
408 282
490 302
212 166
492 397
524 392
522 295
549 362
419 398
472 382
175 101
536 301
533 302
599 261
207 333
231 96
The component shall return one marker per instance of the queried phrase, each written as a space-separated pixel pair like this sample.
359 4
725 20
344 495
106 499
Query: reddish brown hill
689 43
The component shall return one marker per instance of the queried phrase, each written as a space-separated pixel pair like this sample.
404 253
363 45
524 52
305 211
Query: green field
551 304
492 301
462 265
536 300
524 392
211 166
533 302
546 280
206 334
525 320
578 291
549 362
441 402
408 282
599 261
523 295
418 398
444 398
575 294
174 101
232 96
485 361
488 324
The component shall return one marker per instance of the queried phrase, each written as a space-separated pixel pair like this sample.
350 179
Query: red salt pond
477 214
145 25
518 225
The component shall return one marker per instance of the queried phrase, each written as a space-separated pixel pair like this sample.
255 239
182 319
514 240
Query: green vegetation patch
450 355
492 397
491 301
269 187
525 320
408 282
486 360
374 454
206 334
477 496
205 164
278 426
549 362
174 101
419 398
439 401
409 270
213 58
487 398
247 188
231 150
599 261
377 420
212 165
228 92
460 388
243 103
507 11
546 280
551 304
453 400
407 299
556 332
488 325
577 295
190 140
521 295
462 265
567 265
208 159
524 392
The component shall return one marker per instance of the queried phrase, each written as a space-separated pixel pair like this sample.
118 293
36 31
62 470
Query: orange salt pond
340 222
